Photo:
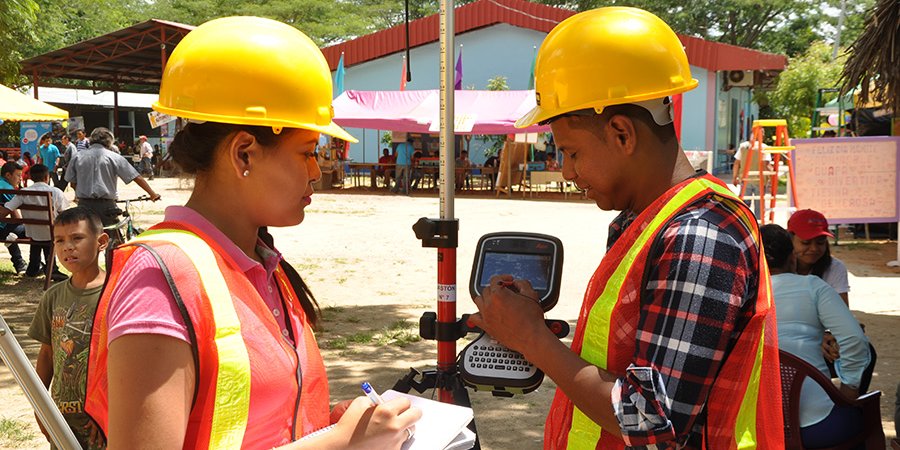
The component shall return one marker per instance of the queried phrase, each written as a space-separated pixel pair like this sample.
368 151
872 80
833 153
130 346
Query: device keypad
495 357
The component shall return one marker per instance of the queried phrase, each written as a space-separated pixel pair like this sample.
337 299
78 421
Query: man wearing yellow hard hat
204 335
675 345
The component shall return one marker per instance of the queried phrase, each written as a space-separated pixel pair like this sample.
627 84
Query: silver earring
247 173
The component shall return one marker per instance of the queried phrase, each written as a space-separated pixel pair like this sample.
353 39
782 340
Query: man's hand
509 312
155 197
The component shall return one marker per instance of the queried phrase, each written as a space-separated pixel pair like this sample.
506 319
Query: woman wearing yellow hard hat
203 336
674 345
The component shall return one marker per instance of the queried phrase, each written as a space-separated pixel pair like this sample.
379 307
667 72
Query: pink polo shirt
142 302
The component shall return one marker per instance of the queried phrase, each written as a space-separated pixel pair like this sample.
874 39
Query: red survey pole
446 314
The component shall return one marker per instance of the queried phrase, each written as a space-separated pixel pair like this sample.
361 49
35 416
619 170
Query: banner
158 118
31 133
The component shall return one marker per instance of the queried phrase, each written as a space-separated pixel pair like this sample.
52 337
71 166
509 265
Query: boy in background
65 316
40 234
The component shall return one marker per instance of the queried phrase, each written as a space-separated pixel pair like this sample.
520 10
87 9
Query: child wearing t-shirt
64 319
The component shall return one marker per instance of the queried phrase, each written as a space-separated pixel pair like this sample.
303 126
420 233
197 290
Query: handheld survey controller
485 364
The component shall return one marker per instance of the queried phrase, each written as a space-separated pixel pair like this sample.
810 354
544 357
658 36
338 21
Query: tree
794 96
495 142
17 19
782 26
325 21
872 64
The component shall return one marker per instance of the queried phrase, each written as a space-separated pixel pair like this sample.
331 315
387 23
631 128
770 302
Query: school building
500 37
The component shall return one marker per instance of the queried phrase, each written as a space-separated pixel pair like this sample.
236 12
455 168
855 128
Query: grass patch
337 343
307 267
14 431
398 334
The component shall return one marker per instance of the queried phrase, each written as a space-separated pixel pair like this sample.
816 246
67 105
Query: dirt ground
374 280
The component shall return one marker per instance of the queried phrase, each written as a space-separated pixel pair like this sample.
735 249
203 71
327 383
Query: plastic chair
793 372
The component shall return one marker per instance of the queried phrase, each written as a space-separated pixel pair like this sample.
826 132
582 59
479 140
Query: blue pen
373 396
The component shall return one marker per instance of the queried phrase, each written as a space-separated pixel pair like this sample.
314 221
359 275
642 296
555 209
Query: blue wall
506 50
693 113
481 61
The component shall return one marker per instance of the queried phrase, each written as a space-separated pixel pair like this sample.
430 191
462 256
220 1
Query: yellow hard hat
250 71
607 56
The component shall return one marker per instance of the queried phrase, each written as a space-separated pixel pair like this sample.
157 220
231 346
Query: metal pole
446 313
837 38
11 354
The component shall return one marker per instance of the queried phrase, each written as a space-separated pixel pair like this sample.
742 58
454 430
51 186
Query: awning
476 112
15 106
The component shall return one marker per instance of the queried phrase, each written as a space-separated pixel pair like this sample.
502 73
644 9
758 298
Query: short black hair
777 244
45 137
78 214
9 168
664 133
39 172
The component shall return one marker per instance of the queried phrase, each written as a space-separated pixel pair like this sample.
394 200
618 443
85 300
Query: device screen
534 268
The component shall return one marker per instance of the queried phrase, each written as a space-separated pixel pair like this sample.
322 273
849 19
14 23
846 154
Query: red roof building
501 37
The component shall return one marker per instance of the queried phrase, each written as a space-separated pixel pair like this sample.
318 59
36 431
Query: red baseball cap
808 224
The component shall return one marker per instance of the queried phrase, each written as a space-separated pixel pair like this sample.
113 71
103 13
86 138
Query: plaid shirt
699 295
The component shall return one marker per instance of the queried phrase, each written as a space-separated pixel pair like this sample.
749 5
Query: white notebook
441 425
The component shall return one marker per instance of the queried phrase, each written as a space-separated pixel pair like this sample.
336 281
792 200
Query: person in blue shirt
48 155
805 307
404 159
10 178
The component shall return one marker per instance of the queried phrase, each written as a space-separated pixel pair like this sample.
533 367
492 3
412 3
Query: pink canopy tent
477 112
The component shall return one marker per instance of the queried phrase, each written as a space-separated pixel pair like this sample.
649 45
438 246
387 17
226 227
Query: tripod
14 358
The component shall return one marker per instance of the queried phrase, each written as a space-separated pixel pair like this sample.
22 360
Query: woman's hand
830 348
339 409
364 426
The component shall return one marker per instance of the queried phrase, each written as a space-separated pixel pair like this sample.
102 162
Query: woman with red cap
809 230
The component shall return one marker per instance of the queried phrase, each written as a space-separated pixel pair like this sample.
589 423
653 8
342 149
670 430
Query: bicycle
124 230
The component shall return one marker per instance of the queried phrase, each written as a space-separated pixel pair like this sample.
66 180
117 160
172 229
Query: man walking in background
69 151
146 152
94 175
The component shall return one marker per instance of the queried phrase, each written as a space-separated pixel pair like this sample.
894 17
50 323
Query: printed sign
158 118
446 293
31 132
849 180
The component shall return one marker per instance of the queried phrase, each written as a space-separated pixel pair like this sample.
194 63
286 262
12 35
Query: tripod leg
433 379
11 354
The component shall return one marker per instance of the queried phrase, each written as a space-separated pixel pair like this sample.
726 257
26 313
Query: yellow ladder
768 179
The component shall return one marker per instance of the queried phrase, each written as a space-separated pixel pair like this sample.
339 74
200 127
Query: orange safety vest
744 403
251 392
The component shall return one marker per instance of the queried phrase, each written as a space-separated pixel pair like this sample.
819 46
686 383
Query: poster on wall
75 124
31 133
849 180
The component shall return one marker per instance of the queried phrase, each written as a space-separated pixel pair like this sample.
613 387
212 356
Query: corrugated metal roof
130 56
709 55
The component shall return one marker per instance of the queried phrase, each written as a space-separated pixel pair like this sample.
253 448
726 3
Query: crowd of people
89 166
203 335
